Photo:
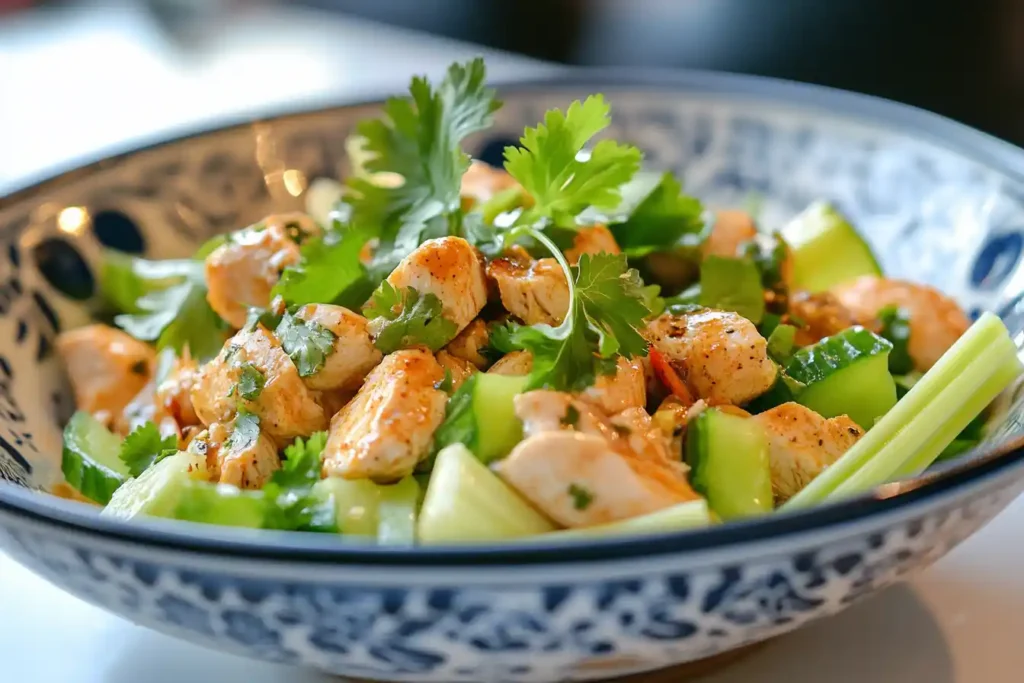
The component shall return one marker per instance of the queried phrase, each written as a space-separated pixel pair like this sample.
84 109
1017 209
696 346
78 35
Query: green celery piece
397 512
988 392
690 515
984 336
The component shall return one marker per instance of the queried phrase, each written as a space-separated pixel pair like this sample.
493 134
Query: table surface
957 622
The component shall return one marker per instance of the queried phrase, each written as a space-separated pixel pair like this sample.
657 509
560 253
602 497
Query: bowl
941 203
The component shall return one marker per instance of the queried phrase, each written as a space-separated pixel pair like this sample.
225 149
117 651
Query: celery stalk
985 336
689 515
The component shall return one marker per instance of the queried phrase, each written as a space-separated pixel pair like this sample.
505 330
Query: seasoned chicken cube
459 369
595 239
384 431
802 444
627 388
451 269
731 229
470 344
241 272
482 181
821 315
107 367
719 355
514 364
145 407
245 463
287 408
533 291
354 354
936 320
578 480
174 393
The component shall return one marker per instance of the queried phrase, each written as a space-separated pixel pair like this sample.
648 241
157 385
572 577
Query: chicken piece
627 388
387 428
246 464
719 355
731 229
107 367
481 181
174 393
821 314
936 321
533 291
451 269
595 239
460 369
470 343
802 444
354 354
285 406
241 272
334 400
146 407
514 364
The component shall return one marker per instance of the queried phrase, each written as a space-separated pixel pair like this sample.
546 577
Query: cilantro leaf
291 500
768 252
896 328
732 284
581 496
607 308
404 318
144 447
250 381
562 181
330 270
172 311
460 424
245 432
665 220
307 343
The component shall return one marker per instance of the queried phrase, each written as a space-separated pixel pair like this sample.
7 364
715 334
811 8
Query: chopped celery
90 461
397 513
356 503
689 515
732 284
481 416
220 504
933 412
157 491
729 457
466 503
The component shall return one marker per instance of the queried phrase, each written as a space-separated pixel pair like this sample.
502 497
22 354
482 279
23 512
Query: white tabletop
958 622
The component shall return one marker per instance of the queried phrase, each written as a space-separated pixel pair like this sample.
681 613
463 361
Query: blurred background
79 77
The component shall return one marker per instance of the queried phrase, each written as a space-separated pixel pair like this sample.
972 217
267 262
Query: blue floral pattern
932 215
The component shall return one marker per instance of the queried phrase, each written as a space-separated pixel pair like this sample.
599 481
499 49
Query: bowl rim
971 470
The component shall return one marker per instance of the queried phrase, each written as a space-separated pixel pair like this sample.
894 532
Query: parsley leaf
307 343
607 308
562 181
581 497
172 310
896 328
250 381
292 502
732 284
665 220
145 447
246 430
404 318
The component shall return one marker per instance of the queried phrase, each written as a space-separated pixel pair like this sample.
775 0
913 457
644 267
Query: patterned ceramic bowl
940 203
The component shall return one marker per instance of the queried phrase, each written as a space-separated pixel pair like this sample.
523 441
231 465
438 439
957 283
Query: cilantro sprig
563 180
144 447
400 318
607 307
291 501
307 342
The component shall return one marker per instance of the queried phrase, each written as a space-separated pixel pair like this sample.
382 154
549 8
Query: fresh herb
255 317
606 311
246 431
581 497
732 284
459 424
781 342
895 323
769 253
250 381
307 343
171 309
403 317
292 503
330 270
447 383
667 219
563 181
571 417
144 447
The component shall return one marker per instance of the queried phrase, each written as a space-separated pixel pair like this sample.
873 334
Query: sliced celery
396 513
966 366
690 515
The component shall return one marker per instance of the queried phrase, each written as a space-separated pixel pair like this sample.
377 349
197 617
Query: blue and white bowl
940 203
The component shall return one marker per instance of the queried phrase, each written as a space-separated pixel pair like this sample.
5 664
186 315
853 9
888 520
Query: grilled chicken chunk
354 354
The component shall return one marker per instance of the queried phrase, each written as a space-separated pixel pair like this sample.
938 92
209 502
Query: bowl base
691 670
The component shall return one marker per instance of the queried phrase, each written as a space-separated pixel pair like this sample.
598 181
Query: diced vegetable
729 457
481 416
732 284
896 328
357 504
158 490
781 342
397 512
846 374
90 461
826 249
908 438
220 504
691 515
467 503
